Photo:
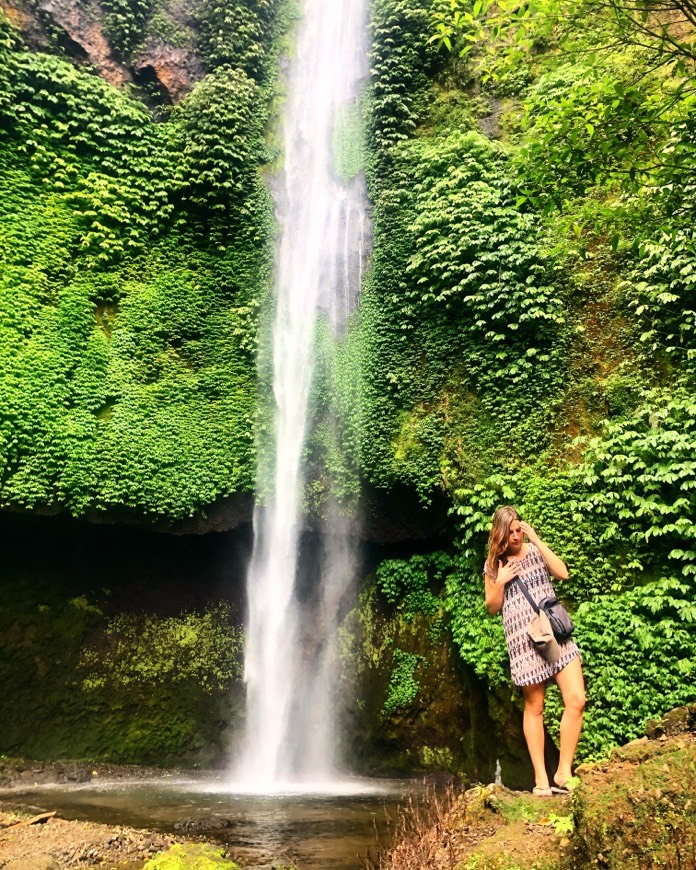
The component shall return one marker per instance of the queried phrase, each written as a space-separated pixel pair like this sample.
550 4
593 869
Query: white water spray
288 670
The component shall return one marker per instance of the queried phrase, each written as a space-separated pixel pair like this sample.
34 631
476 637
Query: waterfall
288 666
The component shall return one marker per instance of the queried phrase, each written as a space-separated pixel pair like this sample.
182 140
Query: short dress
527 664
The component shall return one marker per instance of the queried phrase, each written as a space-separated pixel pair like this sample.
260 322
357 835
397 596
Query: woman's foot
543 791
563 782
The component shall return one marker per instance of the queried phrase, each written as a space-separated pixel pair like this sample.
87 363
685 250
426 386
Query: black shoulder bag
562 625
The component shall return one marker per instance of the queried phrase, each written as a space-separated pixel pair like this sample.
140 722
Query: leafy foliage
641 475
475 254
239 34
588 125
219 171
638 656
401 62
403 685
662 294
409 582
124 23
135 257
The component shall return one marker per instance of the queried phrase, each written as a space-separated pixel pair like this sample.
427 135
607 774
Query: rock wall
417 707
78 30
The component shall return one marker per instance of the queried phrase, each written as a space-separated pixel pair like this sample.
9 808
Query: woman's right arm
495 586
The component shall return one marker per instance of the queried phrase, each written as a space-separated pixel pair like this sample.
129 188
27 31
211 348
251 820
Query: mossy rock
639 811
527 839
191 856
438 721
128 664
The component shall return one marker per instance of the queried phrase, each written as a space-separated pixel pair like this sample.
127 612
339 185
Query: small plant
199 855
562 825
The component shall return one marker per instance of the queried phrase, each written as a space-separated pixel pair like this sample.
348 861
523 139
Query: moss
441 720
191 856
159 686
436 758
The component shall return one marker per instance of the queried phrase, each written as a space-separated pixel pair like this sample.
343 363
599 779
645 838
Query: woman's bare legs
572 685
534 730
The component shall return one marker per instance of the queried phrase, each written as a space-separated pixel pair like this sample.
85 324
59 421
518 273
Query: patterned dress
528 666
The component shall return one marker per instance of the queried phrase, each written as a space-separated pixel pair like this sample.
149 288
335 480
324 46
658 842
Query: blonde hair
498 537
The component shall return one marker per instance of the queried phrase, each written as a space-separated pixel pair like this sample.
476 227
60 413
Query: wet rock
397 515
24 19
197 826
172 71
14 772
164 71
18 773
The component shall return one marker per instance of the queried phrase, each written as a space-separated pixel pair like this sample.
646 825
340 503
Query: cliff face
165 64
137 251
529 325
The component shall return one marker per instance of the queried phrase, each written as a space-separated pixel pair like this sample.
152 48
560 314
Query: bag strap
525 592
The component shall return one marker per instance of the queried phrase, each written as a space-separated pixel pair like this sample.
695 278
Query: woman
509 556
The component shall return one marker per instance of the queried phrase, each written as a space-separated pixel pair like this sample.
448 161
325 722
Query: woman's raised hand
529 532
506 572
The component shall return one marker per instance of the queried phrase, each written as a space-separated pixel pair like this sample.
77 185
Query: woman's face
515 538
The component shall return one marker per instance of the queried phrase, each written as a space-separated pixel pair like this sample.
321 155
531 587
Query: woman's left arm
556 566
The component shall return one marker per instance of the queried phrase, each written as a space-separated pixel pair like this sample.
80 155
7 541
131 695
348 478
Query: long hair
497 540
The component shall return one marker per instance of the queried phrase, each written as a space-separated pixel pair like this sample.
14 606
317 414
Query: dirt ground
56 843
634 811
484 827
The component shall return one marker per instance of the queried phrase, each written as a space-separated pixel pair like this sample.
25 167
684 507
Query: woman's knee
534 703
574 700
572 685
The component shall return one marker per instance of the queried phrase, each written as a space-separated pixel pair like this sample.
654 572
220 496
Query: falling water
288 668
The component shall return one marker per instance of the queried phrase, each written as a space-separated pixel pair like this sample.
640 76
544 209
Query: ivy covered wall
136 252
120 644
527 335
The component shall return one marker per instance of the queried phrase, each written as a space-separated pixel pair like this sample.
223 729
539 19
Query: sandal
565 787
542 791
